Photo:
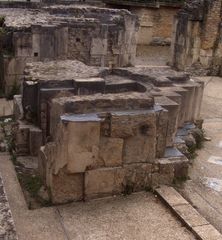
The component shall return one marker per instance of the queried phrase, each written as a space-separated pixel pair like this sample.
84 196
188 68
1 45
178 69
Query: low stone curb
199 226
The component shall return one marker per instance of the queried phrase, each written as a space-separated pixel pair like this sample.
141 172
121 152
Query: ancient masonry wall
197 41
156 20
96 36
103 132
156 25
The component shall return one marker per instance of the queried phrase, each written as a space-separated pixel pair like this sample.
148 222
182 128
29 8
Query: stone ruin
197 41
98 125
95 36
104 131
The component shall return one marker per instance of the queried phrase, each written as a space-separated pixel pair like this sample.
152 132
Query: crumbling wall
155 19
95 36
105 152
156 25
197 37
105 132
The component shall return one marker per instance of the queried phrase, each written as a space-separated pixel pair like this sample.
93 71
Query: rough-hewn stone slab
190 215
207 232
201 228
170 196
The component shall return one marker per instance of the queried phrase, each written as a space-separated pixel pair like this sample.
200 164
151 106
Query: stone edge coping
8 230
193 220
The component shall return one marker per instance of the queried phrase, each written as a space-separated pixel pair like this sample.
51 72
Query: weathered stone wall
105 132
156 25
155 19
95 36
197 44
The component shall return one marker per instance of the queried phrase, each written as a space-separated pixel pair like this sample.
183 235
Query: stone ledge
199 226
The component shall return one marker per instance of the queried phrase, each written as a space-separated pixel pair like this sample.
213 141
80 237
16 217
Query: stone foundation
95 36
106 132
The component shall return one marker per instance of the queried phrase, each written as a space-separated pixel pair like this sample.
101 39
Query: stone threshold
192 219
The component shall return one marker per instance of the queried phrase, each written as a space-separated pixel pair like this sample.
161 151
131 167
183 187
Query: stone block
174 163
99 46
111 151
35 140
139 132
189 215
170 196
83 145
161 134
162 178
86 86
207 232
173 116
103 182
137 176
66 187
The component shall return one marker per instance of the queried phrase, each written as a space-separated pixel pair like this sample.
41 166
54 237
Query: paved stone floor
139 216
204 190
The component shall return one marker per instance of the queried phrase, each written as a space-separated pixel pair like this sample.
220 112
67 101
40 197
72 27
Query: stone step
200 227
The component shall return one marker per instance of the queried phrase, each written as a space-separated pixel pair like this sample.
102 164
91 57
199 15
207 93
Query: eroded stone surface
7 229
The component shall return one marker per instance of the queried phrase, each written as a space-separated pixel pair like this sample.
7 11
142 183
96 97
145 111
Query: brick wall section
212 22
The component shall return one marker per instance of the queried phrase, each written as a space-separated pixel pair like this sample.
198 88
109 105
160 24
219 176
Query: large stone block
83 145
103 182
138 129
137 176
66 187
111 151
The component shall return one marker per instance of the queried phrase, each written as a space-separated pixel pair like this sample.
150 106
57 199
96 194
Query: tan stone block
190 215
207 232
138 129
83 145
138 176
171 196
139 149
103 182
110 152
66 187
